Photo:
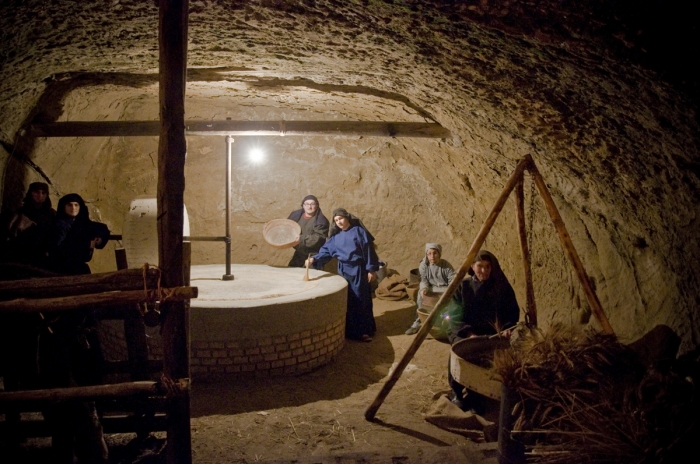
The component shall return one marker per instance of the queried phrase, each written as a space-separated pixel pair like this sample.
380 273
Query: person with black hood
74 237
27 233
25 243
69 353
314 230
488 307
353 246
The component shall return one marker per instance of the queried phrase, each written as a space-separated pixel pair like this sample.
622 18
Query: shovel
306 277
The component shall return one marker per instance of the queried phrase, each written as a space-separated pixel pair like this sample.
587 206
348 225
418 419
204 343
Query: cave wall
617 145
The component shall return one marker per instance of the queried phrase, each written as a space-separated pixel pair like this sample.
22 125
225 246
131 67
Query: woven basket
281 233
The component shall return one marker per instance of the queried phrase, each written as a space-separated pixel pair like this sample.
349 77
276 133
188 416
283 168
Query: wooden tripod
515 180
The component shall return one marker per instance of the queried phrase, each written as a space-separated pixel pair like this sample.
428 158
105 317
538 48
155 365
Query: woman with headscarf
75 237
353 246
28 230
314 230
435 275
488 307
69 353
26 241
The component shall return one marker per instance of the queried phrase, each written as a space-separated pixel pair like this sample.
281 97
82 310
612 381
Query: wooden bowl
281 233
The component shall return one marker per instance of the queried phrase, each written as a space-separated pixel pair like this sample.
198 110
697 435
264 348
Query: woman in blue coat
353 246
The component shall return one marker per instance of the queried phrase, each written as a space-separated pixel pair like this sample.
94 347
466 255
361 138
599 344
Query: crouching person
435 275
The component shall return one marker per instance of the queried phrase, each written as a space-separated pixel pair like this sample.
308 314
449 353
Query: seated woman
358 264
488 307
435 275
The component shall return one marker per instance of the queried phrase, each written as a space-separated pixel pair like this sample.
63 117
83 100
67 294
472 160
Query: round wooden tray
281 233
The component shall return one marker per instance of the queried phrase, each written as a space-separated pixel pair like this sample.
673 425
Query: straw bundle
586 398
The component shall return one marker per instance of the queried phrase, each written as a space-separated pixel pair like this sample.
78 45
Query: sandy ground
319 417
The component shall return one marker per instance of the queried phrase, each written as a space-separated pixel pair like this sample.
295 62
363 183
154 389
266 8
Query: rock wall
617 145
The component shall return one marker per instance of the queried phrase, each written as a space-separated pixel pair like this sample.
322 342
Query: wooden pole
525 250
95 391
65 303
172 150
451 289
569 248
46 287
246 128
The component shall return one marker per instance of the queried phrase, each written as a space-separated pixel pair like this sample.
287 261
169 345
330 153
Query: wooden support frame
515 180
172 149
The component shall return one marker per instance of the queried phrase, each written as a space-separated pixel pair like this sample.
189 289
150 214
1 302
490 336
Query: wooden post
172 148
569 248
451 289
525 250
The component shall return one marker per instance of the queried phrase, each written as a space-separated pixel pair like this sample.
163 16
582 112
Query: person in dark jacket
353 246
488 307
69 353
24 253
74 237
26 237
314 230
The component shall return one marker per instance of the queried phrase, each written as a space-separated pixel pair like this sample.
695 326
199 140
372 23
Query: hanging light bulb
256 155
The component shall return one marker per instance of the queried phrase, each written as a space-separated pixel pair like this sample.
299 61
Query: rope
160 294
168 387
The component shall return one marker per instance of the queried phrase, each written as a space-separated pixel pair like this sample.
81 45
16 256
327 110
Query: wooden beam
65 303
95 391
238 128
47 287
172 149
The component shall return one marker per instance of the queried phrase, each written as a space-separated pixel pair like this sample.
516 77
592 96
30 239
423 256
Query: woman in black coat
70 353
74 237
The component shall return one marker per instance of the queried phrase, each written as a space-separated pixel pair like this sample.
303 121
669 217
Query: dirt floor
319 417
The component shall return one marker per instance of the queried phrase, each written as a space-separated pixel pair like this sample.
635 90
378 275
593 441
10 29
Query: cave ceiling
586 88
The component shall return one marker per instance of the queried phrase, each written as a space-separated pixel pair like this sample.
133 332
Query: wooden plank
45 287
92 392
238 128
451 289
65 303
172 150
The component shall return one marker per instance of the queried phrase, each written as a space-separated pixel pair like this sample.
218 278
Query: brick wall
271 356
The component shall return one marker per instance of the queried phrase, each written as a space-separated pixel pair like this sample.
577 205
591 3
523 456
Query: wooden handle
306 277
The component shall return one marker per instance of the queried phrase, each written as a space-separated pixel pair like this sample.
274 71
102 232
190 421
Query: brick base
272 356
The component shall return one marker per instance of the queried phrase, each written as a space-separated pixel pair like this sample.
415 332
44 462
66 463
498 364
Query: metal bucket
381 273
